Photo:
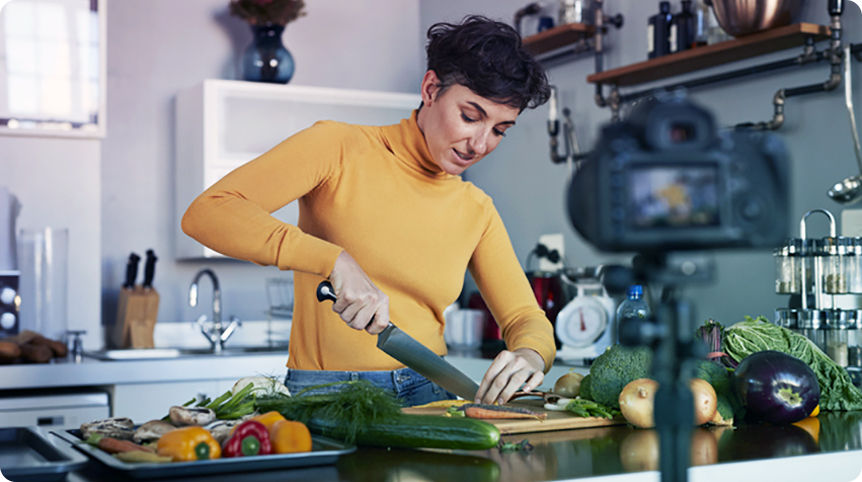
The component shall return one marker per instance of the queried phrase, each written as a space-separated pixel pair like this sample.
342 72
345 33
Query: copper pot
744 17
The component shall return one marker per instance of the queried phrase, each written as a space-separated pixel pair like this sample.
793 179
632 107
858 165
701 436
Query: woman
386 217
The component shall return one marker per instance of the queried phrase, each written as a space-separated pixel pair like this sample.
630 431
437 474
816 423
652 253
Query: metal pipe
713 79
600 51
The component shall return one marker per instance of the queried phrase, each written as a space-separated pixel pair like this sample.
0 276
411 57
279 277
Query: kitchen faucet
215 333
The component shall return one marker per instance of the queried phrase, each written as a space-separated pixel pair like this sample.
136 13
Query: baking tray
27 455
324 451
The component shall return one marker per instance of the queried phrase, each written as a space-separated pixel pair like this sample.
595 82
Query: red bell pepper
250 438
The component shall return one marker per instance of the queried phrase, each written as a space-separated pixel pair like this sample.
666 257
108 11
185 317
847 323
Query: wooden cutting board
555 421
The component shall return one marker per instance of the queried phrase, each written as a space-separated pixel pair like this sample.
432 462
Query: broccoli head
585 391
613 370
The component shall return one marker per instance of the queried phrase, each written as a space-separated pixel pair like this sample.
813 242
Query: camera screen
673 197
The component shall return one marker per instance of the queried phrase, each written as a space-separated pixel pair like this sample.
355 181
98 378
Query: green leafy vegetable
356 404
837 391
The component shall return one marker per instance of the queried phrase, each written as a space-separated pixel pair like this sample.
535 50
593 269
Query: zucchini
415 431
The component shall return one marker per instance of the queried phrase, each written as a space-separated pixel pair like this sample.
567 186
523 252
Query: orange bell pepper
268 419
188 444
289 437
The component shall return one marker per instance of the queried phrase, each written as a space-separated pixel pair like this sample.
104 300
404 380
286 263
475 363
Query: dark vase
266 59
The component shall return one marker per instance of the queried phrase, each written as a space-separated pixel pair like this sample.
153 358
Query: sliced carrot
115 446
489 413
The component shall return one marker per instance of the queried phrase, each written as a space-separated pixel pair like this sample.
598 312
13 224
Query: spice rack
822 268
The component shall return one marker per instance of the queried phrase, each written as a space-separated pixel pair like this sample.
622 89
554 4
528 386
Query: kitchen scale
585 325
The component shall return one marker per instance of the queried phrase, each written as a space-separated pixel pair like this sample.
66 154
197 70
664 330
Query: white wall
159 47
529 190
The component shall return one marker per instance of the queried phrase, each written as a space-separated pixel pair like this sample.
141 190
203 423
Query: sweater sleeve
233 216
506 291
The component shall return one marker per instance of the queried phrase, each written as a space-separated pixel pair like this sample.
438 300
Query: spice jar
788 267
853 265
812 325
832 265
836 338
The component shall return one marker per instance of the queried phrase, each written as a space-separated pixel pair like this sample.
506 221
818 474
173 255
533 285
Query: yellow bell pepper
188 444
268 419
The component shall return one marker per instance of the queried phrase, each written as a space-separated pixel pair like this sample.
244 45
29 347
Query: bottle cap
635 290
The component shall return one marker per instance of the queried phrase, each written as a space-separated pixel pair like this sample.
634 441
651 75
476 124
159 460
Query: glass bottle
682 29
658 31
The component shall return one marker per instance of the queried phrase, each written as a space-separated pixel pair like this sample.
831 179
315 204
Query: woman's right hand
360 302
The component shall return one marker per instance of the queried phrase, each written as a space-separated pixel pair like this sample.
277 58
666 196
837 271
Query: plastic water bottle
634 307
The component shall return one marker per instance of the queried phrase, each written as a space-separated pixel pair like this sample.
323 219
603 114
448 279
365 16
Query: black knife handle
150 268
132 270
325 291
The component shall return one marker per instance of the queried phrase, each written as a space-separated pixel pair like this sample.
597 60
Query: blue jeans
411 387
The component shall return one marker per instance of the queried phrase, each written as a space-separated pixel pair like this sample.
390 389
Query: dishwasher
53 410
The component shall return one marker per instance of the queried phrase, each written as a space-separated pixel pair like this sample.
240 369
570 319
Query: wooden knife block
137 313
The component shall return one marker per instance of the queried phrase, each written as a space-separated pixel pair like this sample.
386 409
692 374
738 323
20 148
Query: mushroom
182 416
152 430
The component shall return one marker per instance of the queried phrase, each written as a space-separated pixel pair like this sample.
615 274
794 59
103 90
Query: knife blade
150 269
404 348
131 271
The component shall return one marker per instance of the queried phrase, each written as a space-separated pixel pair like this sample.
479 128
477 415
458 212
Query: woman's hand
360 302
508 372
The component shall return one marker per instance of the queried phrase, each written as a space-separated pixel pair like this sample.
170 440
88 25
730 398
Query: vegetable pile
837 391
229 426
618 366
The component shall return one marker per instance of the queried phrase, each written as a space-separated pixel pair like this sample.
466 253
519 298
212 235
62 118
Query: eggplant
775 387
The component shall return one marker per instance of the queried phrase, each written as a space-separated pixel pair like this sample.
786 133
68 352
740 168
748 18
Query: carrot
481 411
115 446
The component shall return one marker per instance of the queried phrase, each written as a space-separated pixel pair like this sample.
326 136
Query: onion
637 402
569 385
705 401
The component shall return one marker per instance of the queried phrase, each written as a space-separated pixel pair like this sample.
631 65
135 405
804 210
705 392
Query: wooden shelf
557 37
703 57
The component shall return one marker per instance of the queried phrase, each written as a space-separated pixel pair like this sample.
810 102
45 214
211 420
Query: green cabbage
837 391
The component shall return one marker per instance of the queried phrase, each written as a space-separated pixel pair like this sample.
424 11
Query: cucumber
415 431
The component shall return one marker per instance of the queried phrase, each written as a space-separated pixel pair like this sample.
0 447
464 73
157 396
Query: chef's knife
407 350
131 271
150 269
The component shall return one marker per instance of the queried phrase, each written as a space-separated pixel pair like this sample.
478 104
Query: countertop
62 373
620 453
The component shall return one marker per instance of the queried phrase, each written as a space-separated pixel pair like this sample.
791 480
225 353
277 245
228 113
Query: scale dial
582 322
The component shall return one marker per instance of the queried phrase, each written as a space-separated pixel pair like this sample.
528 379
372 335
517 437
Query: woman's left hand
508 372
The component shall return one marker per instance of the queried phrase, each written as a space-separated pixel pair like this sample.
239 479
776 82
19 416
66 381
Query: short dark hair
489 58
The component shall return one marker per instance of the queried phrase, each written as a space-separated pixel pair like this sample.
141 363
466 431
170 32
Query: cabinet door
143 402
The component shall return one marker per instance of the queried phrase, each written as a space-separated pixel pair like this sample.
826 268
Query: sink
162 353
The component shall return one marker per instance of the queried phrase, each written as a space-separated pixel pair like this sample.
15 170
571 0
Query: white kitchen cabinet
149 401
222 124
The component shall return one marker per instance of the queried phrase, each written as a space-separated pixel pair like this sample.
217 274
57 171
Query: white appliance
10 301
58 411
585 326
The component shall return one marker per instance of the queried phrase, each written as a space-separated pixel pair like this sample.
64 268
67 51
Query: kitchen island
830 452
621 453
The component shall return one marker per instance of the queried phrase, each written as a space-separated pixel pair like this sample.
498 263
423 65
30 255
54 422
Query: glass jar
837 338
788 267
853 265
832 265
812 325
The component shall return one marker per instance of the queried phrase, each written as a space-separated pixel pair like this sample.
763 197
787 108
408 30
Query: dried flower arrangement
268 12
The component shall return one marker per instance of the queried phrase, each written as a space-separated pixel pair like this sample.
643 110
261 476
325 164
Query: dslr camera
665 179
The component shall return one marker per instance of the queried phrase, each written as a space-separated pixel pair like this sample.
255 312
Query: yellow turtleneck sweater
376 193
